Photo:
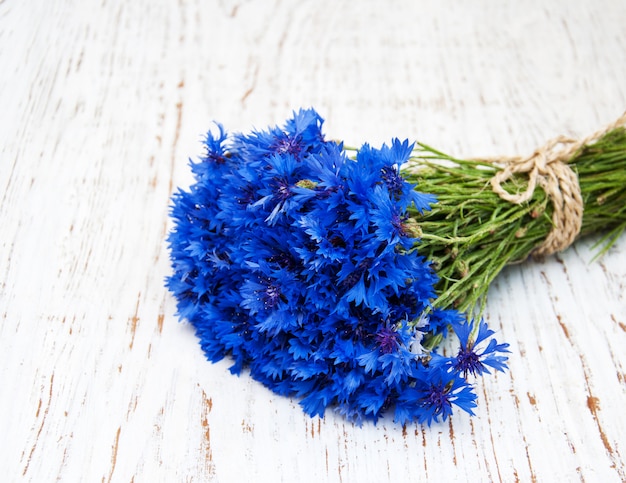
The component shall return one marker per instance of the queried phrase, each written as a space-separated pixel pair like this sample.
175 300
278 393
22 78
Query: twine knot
548 167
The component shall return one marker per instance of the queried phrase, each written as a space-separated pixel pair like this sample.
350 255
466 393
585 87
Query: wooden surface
101 105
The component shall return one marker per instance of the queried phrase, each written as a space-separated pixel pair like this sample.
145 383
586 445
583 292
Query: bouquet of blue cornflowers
333 275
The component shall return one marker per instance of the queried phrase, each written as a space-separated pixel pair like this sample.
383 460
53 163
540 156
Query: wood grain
102 104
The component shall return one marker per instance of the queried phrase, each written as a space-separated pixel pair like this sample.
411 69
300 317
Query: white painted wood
101 104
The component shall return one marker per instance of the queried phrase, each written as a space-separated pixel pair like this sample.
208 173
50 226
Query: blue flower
389 220
435 392
472 360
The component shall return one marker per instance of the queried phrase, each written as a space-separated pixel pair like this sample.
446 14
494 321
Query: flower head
471 359
435 392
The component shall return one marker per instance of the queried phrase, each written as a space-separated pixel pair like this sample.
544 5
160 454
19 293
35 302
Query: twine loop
548 167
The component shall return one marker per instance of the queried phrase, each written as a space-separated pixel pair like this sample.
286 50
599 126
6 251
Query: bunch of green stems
471 234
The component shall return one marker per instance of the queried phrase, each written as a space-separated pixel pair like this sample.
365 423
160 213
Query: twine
548 167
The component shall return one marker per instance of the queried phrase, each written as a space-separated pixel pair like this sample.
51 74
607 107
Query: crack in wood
41 426
115 447
205 446
133 321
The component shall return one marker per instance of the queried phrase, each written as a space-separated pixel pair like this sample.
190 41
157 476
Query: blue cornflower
472 360
388 340
280 177
389 220
215 146
434 393
397 358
